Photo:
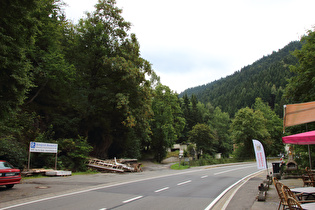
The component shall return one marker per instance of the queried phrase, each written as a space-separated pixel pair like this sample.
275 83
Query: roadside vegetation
86 87
202 162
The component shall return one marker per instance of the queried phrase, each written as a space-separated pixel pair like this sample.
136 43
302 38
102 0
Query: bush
172 154
73 153
13 151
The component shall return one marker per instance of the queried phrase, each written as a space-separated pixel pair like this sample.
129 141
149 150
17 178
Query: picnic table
307 191
308 206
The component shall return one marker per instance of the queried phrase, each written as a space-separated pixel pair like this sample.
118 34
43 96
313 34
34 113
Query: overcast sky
191 43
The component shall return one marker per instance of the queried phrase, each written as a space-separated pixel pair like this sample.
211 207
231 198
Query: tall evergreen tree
186 109
195 114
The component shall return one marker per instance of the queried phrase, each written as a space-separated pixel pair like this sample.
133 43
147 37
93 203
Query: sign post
181 154
44 148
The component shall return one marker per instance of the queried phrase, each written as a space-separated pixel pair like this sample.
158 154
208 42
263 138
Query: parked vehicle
9 176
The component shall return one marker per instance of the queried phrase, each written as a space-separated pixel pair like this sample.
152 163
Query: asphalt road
195 188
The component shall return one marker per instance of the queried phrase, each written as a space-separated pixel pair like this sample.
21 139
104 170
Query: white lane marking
165 188
132 199
222 172
232 195
184 182
204 177
103 187
102 209
227 189
113 185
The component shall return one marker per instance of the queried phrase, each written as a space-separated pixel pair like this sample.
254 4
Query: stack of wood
114 165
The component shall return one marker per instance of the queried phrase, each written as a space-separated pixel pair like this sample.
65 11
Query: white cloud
191 43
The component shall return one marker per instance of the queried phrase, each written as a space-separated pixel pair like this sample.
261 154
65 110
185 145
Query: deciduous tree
17 34
301 87
167 122
115 95
273 143
202 136
247 125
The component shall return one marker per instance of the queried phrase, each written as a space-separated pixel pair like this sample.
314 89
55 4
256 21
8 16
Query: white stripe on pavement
165 188
132 199
184 182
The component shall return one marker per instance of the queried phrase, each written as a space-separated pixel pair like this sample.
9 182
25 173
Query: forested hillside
85 87
266 78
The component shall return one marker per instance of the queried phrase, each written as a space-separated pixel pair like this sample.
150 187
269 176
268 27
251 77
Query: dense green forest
266 78
86 87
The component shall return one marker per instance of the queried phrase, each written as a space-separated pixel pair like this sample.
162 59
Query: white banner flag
260 155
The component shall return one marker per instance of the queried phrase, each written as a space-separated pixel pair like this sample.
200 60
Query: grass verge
177 167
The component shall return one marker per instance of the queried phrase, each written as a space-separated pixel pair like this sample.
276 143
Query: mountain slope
266 78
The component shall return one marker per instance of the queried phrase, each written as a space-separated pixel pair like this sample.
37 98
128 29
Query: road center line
132 199
165 188
184 182
204 177
105 186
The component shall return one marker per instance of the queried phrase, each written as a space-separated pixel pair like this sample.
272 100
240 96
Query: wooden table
307 191
308 206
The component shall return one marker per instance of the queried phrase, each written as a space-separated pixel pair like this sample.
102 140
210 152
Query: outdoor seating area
308 178
294 197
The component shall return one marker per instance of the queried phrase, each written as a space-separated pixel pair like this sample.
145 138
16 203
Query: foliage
302 155
209 160
202 136
182 166
167 122
44 160
273 144
20 125
73 153
220 123
191 150
172 154
301 87
60 80
115 96
17 32
186 110
246 126
266 78
132 146
13 151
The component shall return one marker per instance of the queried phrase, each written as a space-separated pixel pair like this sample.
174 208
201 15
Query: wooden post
309 156
29 159
56 161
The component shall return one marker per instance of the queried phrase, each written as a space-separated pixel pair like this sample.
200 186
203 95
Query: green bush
13 151
73 153
172 154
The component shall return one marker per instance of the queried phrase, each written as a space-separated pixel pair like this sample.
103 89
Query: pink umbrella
306 138
301 138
